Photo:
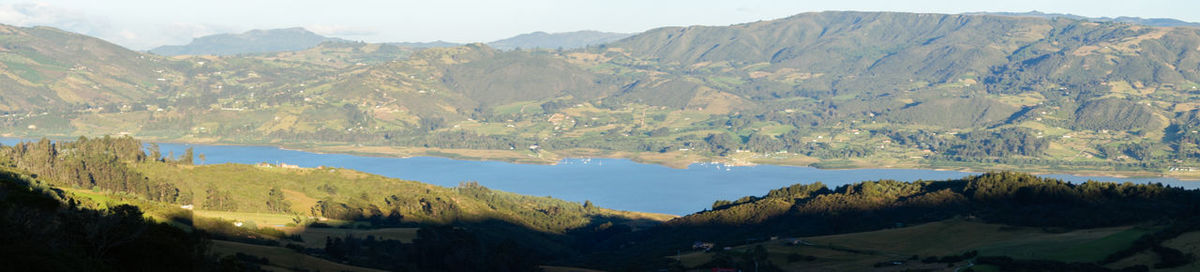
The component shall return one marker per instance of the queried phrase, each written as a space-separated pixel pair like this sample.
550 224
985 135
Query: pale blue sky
142 24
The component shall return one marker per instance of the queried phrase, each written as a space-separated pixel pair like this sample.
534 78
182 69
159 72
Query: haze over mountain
249 42
294 39
565 40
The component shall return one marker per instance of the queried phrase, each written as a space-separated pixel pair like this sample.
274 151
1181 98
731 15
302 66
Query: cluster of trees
276 202
215 199
1007 142
535 213
98 163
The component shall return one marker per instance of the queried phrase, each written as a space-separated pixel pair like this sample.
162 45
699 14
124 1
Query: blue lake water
612 183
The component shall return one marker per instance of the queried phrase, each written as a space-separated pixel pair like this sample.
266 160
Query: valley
820 141
339 219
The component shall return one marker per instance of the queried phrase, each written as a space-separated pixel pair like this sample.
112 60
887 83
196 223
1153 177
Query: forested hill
841 88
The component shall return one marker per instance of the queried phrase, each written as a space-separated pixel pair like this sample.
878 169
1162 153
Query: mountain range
825 89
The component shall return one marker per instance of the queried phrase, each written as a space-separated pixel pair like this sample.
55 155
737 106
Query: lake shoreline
675 160
617 180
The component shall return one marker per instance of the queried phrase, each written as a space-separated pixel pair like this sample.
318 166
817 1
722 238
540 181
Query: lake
611 183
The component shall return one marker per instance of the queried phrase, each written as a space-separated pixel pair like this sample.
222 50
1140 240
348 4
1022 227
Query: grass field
1080 246
260 219
547 268
860 251
315 237
283 259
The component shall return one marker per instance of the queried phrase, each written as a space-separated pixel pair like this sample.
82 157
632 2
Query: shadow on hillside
484 244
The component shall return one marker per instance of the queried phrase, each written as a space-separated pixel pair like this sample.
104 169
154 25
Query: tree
276 201
155 152
187 156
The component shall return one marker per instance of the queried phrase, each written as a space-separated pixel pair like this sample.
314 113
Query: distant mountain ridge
1163 22
564 40
249 42
298 38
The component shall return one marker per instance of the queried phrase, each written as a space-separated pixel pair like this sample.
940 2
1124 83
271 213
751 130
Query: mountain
249 42
564 40
47 68
1163 22
829 89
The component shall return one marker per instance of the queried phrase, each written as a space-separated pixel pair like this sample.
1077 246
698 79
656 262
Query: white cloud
183 33
41 14
138 37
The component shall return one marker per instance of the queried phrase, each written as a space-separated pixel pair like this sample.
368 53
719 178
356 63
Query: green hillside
45 68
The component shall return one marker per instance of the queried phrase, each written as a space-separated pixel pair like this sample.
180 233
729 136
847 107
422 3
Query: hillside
250 42
46 229
45 68
1042 223
281 207
118 165
830 88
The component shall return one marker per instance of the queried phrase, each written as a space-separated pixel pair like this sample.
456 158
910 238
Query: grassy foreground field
283 259
861 251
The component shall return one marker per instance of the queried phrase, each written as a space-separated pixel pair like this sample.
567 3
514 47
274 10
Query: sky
144 24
